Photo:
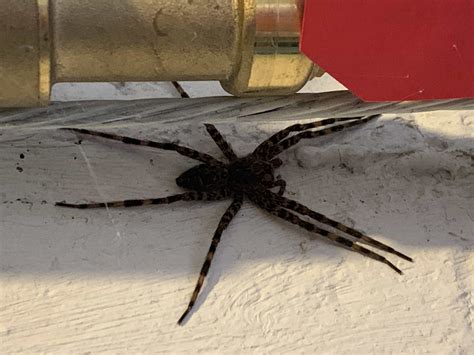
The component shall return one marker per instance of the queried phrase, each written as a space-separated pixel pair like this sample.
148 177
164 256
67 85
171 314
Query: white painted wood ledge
117 280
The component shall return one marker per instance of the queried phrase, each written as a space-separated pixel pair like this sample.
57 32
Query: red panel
386 50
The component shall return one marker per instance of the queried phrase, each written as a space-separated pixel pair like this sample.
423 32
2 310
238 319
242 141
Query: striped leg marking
302 209
289 142
294 219
281 184
188 196
223 145
263 148
223 224
187 152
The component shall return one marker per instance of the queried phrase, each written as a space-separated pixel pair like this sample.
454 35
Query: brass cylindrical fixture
25 56
251 46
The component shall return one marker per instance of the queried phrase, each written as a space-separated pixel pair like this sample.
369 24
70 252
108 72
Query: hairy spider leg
180 90
187 196
187 152
223 224
294 219
305 211
289 142
223 145
276 163
279 182
263 148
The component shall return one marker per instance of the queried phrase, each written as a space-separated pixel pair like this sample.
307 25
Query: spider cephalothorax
204 177
252 176
230 177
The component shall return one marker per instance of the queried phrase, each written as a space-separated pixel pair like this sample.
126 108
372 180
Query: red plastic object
394 50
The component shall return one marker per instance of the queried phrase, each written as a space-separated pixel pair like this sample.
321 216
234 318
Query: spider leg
223 145
294 219
180 90
302 209
276 163
273 151
187 196
279 136
280 183
223 224
187 152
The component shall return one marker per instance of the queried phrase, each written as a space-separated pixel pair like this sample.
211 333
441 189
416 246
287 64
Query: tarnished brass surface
272 63
251 46
24 53
137 40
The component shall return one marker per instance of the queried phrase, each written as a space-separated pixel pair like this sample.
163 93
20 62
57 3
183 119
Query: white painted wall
117 281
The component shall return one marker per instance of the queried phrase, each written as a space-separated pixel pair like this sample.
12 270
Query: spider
252 176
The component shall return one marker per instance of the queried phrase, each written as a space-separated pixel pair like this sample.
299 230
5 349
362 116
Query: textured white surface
117 280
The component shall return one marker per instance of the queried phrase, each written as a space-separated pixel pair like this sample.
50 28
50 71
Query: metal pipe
251 46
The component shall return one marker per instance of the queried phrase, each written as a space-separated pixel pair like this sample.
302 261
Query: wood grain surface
117 280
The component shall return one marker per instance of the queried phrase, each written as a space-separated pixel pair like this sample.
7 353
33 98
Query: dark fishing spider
251 176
